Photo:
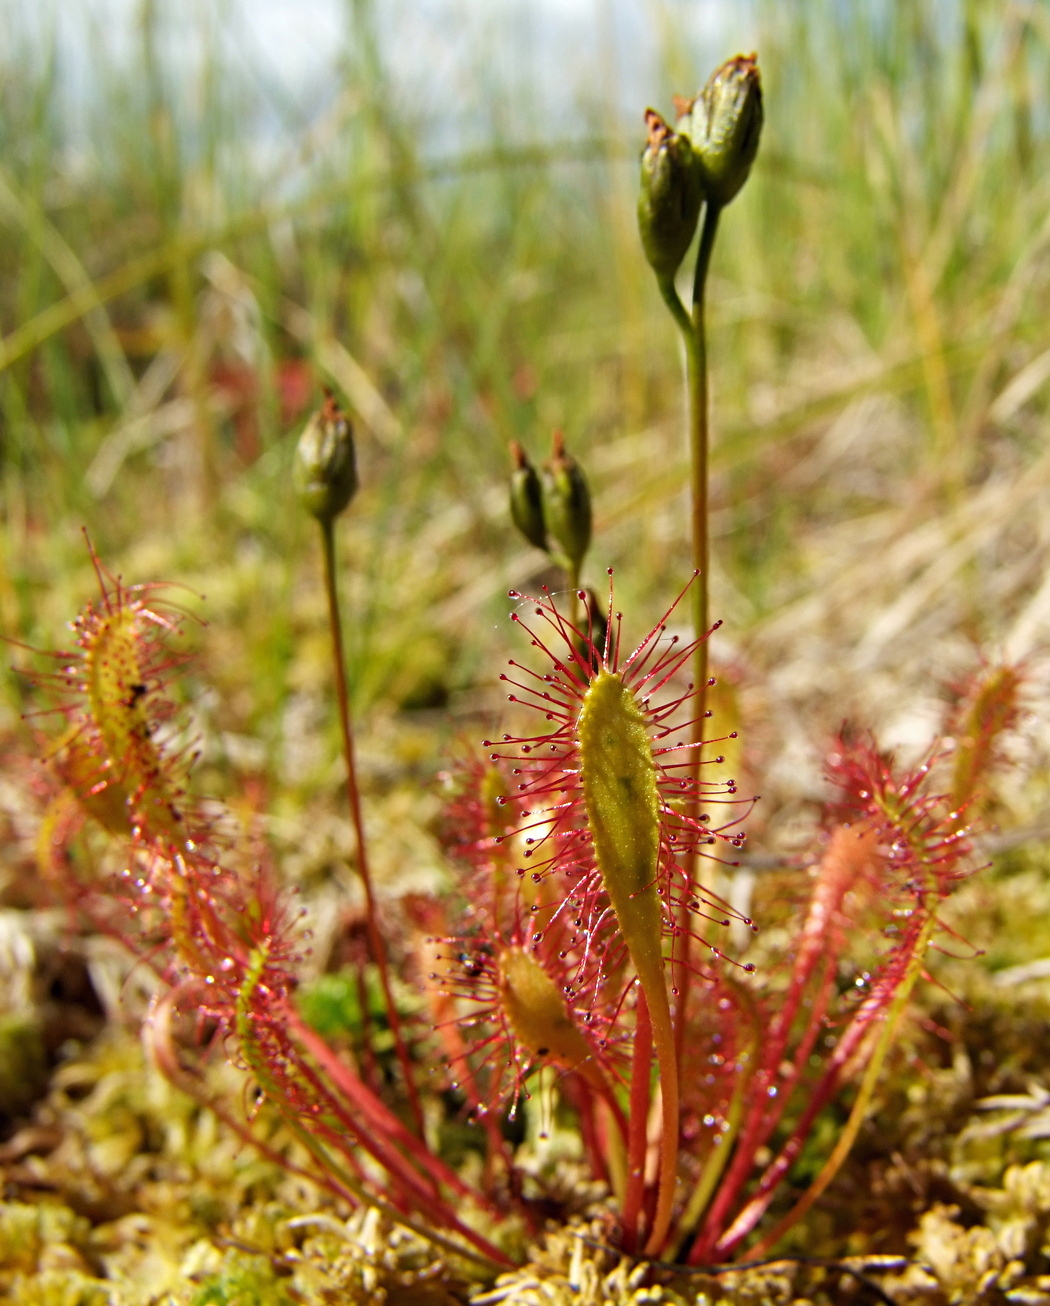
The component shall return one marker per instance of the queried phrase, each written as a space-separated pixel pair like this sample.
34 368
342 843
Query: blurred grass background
190 250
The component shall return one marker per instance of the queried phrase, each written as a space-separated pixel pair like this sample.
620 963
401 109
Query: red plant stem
481 1250
637 1120
378 1115
349 1135
436 1209
375 938
584 1102
411 1191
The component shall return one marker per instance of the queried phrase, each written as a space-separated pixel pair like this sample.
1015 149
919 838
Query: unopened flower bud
325 466
670 197
567 503
526 498
724 123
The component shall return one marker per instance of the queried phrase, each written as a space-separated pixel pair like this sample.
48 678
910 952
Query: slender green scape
700 165
326 478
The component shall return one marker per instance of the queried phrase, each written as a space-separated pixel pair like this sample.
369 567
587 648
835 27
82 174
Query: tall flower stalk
326 478
694 169
689 174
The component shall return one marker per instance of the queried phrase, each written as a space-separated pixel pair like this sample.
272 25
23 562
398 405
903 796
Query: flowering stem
375 938
696 353
694 334
380 1127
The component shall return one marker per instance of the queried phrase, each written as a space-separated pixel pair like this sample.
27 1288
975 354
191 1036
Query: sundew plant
587 964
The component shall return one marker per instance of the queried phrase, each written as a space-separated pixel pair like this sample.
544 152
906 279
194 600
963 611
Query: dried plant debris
574 1266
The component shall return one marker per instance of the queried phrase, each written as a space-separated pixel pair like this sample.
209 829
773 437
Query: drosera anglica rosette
123 763
609 836
194 898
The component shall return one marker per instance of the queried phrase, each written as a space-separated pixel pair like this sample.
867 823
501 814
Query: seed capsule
724 123
567 503
325 464
526 498
670 196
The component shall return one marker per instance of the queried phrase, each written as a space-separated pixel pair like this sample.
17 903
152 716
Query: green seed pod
526 498
567 503
325 466
670 196
724 123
